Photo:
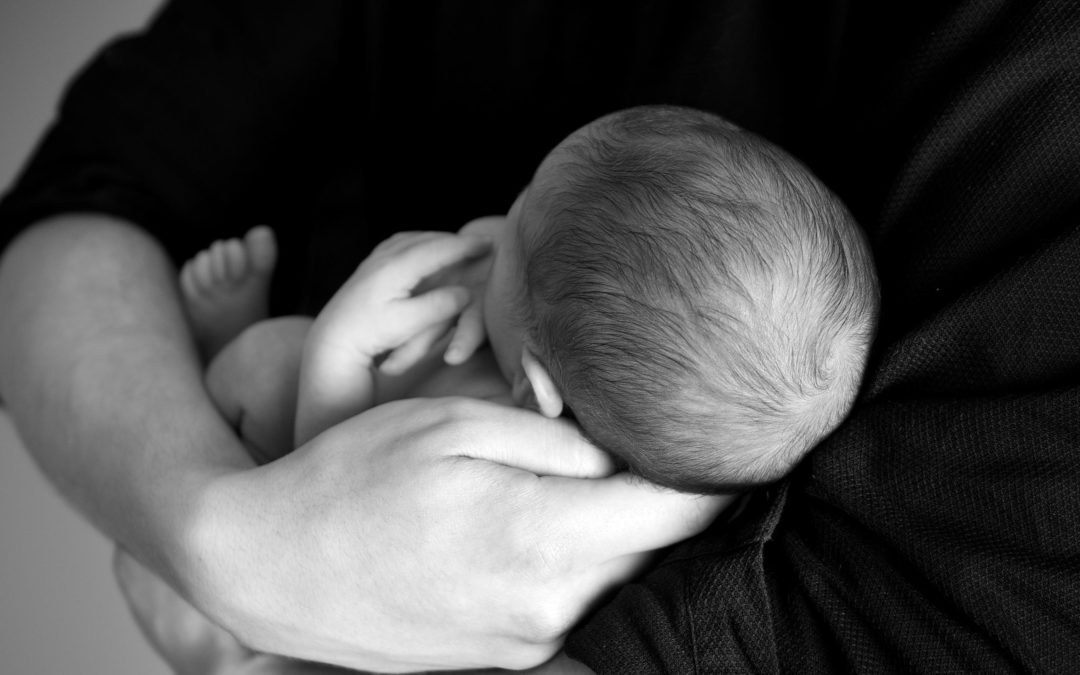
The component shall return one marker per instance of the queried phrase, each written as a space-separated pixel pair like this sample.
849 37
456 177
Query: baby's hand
377 312
470 333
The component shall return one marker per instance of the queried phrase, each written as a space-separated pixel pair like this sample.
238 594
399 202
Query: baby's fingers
469 333
420 322
409 354
412 316
429 255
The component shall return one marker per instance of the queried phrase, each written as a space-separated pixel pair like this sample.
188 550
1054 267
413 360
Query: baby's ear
547 395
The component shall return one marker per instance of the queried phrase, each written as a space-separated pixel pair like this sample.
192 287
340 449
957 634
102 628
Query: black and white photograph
535 336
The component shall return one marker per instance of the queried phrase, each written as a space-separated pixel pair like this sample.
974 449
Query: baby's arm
375 313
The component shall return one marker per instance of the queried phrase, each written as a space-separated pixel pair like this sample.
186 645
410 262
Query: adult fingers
187 640
622 514
265 664
544 447
132 579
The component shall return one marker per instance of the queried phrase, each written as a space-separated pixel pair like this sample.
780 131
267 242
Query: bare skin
226 288
100 374
255 380
102 378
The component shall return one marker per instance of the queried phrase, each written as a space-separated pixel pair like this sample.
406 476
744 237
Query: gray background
60 612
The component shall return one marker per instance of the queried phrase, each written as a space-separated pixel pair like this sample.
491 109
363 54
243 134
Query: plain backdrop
60 612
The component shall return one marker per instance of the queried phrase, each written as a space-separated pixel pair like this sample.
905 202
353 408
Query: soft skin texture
103 382
254 382
193 646
375 313
938 529
256 379
319 556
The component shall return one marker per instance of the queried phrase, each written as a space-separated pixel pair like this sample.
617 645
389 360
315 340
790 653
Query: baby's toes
219 265
202 272
261 245
189 284
236 260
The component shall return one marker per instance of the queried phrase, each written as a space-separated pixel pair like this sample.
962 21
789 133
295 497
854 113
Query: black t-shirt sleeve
211 120
937 529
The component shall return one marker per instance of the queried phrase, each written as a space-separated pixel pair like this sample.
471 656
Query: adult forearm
101 377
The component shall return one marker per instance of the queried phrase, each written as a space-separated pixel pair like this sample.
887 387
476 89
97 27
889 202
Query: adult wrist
201 553
243 573
194 541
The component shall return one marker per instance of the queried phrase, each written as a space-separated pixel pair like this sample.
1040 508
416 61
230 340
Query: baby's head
694 295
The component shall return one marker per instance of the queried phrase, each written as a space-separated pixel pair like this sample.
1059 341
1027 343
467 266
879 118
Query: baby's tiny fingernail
452 355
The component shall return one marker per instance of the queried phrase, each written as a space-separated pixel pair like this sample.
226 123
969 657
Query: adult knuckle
545 621
544 615
528 655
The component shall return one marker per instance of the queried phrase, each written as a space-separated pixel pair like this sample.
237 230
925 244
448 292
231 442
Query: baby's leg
254 382
252 376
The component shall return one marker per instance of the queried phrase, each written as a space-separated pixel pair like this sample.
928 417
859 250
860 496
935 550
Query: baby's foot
226 287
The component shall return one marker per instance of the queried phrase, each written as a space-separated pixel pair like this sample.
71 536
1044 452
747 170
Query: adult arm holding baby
377 296
928 532
99 371
281 555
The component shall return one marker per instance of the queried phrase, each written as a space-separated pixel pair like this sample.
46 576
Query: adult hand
429 534
191 645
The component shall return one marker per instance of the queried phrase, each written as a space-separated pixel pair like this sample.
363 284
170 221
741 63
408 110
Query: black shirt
938 529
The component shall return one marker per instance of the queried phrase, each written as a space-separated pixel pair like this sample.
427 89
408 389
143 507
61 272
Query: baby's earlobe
547 396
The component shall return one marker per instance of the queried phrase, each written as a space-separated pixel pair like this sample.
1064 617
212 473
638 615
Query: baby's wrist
329 348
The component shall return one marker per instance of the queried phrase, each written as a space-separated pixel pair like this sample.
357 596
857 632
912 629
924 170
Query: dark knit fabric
938 530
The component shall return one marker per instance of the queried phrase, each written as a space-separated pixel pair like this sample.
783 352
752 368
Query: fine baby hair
703 302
